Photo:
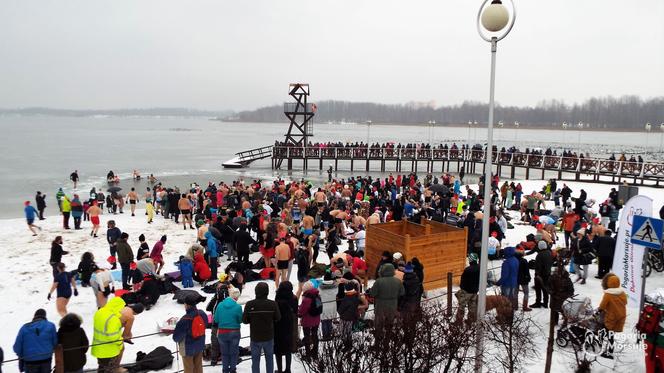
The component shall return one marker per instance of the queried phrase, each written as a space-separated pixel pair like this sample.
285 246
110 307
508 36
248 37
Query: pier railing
653 170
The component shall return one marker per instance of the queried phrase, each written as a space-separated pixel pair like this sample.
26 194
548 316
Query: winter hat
613 281
141 237
200 223
408 268
542 245
40 314
307 286
386 254
26 203
472 258
397 256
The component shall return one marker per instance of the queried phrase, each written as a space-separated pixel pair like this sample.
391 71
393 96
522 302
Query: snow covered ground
26 279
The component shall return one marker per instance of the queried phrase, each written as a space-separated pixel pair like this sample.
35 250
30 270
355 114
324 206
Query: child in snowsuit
149 211
186 272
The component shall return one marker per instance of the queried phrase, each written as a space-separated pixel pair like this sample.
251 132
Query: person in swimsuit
94 212
282 255
132 198
63 282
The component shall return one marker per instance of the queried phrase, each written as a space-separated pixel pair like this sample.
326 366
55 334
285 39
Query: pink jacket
308 321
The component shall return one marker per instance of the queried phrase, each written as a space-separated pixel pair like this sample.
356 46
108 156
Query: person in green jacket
58 197
386 292
227 319
65 207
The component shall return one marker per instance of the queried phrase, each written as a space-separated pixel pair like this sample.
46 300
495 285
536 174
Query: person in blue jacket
509 276
228 318
30 214
35 343
212 253
191 348
186 272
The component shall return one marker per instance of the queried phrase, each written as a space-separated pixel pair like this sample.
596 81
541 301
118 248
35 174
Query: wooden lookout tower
301 114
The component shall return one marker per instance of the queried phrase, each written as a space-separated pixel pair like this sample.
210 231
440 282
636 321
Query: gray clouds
242 54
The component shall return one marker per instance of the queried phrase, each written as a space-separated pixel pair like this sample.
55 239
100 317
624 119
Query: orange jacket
614 305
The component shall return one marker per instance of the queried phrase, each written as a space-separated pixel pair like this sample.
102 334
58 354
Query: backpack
649 319
316 306
197 326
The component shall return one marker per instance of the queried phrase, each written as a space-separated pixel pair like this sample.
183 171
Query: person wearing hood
328 290
385 258
202 271
285 329
74 343
509 276
112 327
227 320
112 235
386 291
76 211
58 197
125 257
189 334
614 307
212 252
186 268
261 314
310 318
543 263
410 301
65 207
523 278
35 342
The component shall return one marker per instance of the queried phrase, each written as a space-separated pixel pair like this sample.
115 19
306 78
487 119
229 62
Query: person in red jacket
569 220
310 319
202 271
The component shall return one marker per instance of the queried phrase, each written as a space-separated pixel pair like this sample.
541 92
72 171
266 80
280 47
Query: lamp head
495 16
648 127
661 126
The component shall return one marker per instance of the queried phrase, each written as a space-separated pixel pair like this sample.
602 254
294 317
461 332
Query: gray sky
222 54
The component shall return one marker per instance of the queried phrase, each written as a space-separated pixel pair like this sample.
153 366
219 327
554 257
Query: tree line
625 112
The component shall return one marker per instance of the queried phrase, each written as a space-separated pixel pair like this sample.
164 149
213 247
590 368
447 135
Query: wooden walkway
446 160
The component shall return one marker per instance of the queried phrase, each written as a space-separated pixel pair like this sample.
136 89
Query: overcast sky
223 54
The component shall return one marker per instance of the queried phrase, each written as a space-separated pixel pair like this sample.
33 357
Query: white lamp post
493 24
470 123
516 130
474 132
501 124
648 128
564 125
578 139
661 135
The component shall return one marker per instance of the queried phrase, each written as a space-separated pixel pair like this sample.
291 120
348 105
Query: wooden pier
473 162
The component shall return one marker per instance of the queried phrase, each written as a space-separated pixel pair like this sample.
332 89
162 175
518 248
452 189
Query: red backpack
197 326
649 319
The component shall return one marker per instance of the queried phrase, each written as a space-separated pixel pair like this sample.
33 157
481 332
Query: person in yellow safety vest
112 326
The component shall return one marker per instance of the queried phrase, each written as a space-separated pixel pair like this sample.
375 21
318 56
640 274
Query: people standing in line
228 318
30 214
76 211
56 254
74 178
132 198
94 211
523 280
112 235
65 207
468 289
509 276
261 314
184 205
543 263
386 291
35 343
156 253
286 326
58 197
189 334
310 311
125 258
112 327
40 200
74 343
605 247
614 307
63 282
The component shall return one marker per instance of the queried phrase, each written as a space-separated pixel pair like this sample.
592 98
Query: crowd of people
295 226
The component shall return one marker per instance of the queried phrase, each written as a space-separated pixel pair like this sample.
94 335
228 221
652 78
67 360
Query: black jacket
584 246
70 335
470 279
605 246
242 241
261 314
112 235
412 294
524 271
41 201
57 253
543 263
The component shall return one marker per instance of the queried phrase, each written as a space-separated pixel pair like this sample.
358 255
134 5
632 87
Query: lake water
39 153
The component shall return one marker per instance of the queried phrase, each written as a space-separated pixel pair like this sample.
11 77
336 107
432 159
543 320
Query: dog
502 305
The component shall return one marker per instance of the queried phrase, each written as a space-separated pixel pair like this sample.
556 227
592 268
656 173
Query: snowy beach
27 278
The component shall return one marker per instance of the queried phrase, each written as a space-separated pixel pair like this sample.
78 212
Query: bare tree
511 342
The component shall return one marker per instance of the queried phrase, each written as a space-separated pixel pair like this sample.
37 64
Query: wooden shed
441 248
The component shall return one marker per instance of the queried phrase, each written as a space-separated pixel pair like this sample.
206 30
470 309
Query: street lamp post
661 135
578 139
565 125
501 124
648 129
516 130
492 19
474 132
